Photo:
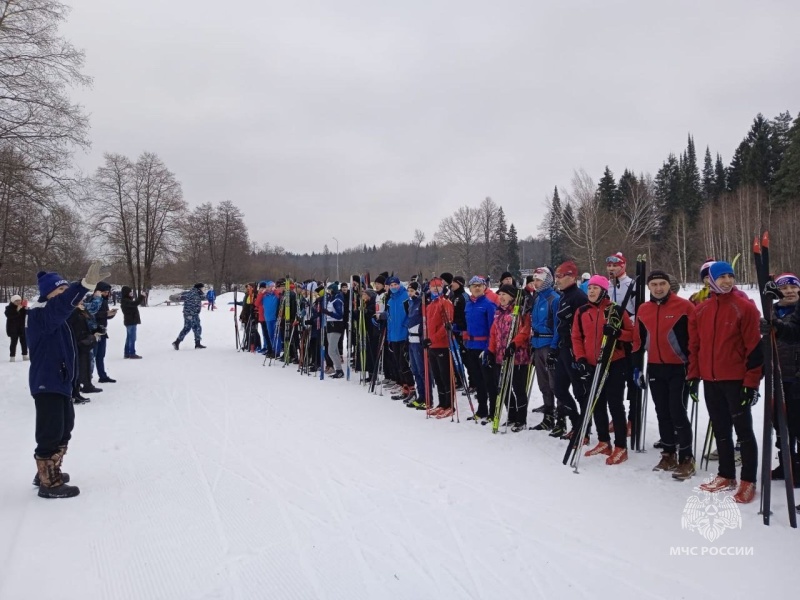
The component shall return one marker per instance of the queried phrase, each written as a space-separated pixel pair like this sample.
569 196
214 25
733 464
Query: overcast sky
366 119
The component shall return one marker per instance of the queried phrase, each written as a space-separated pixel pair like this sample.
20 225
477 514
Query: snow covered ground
205 475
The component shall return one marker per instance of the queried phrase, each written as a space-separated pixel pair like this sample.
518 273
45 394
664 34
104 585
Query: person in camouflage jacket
191 316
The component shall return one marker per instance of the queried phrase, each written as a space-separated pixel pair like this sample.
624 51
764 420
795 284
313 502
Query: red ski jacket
662 328
587 331
725 343
434 321
498 337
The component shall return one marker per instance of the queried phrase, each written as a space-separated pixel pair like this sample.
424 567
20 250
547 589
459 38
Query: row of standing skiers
553 329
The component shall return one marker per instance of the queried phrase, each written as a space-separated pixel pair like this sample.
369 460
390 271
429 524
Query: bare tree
460 232
588 228
488 214
638 216
37 67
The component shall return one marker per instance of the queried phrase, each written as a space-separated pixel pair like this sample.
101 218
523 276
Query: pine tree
692 199
500 238
555 230
607 191
787 179
627 184
758 167
709 181
736 169
513 252
779 142
720 177
668 190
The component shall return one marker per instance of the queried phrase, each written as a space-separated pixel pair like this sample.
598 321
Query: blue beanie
392 280
48 282
720 268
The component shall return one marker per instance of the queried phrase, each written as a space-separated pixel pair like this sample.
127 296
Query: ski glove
426 343
552 359
94 276
510 350
772 291
610 331
638 378
764 327
582 367
749 396
448 326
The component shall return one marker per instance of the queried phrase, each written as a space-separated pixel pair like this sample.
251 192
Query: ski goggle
477 281
787 279
614 260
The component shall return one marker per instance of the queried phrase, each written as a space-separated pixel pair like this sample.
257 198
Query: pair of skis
507 367
774 401
639 400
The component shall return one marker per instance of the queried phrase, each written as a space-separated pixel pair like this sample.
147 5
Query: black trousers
611 400
791 397
439 359
479 376
401 365
518 399
565 376
670 393
85 366
724 403
55 418
18 337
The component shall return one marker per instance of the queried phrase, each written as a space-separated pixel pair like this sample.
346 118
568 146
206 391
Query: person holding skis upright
789 358
479 315
334 311
397 334
662 329
501 347
598 319
541 322
438 311
725 353
572 298
192 307
416 356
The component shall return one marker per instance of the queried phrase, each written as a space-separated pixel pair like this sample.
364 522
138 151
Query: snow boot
176 344
338 374
62 450
685 469
519 427
78 399
412 397
106 379
547 424
668 462
746 493
619 455
51 481
401 394
199 346
90 389
718 484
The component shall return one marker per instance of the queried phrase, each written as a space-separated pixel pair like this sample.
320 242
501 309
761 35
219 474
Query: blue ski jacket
543 319
211 295
398 311
414 320
54 356
269 305
480 316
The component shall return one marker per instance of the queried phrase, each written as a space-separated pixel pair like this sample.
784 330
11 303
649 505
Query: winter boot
746 493
668 462
685 469
559 428
91 389
412 397
401 394
547 424
718 484
106 379
62 450
519 427
338 374
198 346
51 482
176 344
619 455
78 399
601 448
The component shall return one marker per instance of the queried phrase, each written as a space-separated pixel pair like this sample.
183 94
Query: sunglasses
562 275
614 260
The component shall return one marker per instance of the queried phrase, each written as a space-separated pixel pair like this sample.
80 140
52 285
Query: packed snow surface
204 474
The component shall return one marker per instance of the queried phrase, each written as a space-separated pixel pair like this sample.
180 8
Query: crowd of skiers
455 335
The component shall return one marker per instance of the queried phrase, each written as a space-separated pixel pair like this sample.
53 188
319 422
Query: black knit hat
414 285
382 278
506 274
460 280
528 279
448 278
508 289
658 274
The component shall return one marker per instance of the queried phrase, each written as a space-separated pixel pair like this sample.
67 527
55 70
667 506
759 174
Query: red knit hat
617 258
567 268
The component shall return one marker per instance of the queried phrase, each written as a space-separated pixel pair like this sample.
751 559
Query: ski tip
765 239
756 246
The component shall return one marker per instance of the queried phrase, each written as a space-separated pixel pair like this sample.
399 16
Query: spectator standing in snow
211 296
131 319
100 312
52 375
192 307
15 326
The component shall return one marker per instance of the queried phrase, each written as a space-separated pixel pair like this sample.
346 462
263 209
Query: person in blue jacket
479 312
211 296
585 282
270 301
544 343
53 373
397 336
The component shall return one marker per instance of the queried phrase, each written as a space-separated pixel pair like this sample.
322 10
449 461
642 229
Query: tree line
687 214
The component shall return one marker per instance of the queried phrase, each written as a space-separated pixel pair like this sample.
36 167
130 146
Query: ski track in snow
207 476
